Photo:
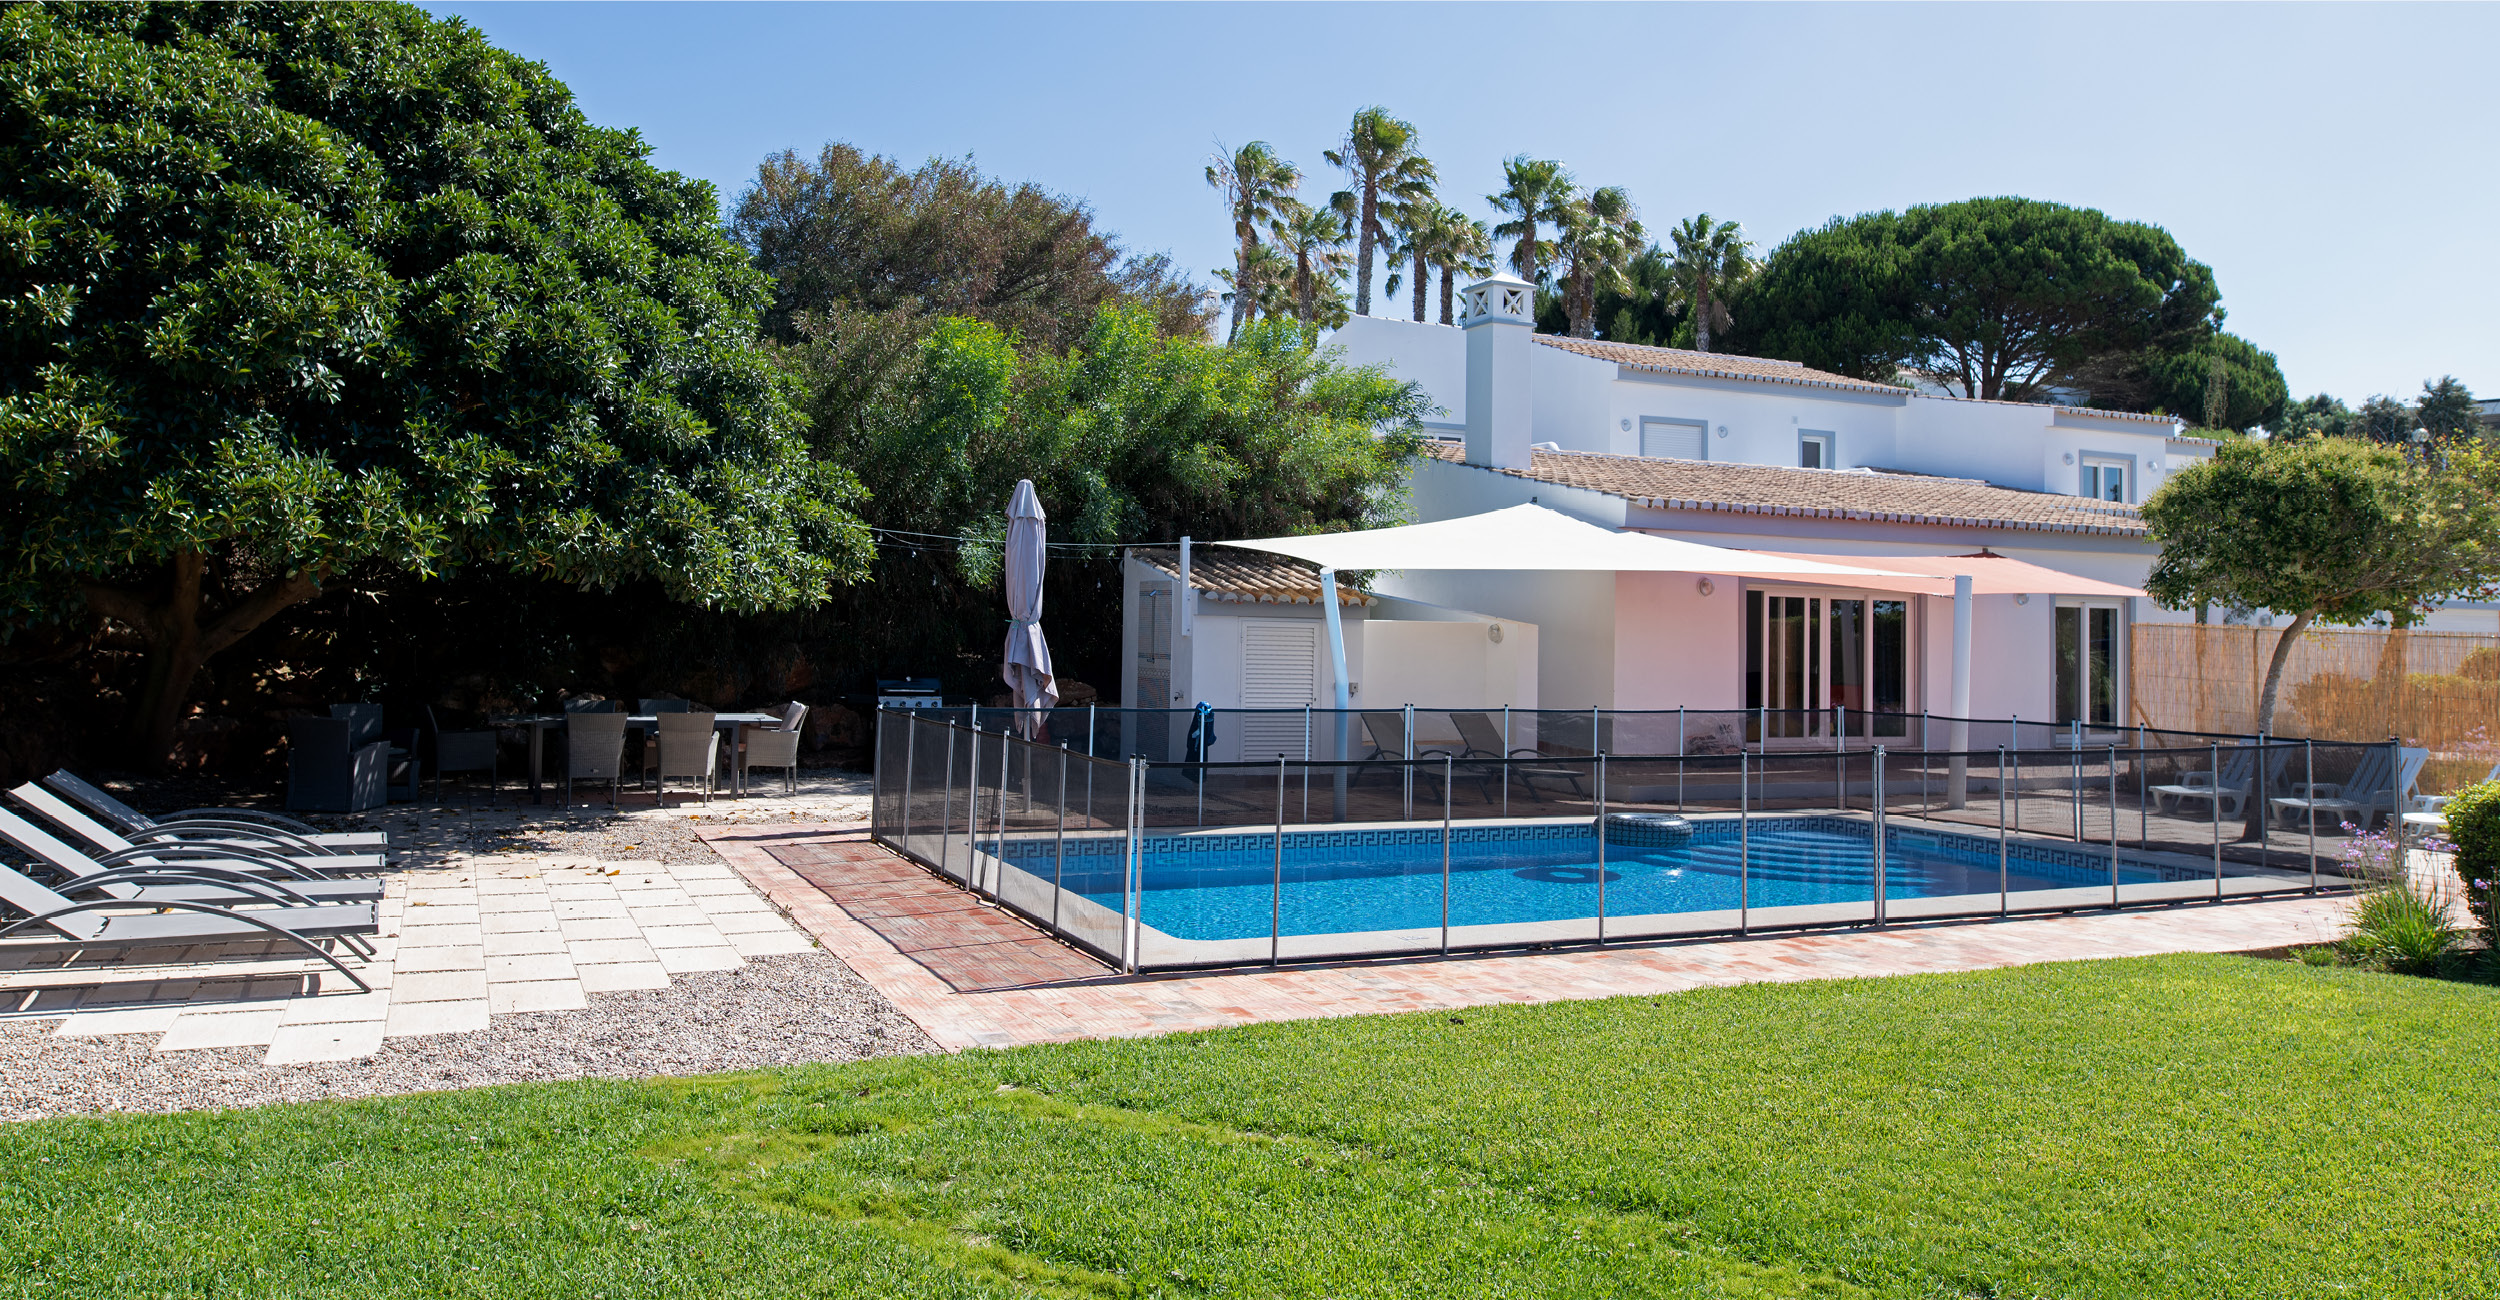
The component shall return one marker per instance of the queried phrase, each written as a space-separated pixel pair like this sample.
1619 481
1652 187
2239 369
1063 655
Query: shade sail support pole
1957 771
1343 695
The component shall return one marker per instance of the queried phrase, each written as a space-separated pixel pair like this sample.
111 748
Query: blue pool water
1222 886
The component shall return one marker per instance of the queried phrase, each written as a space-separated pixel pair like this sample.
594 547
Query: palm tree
1597 237
1534 192
1316 237
1438 236
1379 157
1414 225
1256 184
1710 259
1262 285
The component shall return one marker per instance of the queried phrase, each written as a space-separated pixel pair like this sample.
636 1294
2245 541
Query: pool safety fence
1165 865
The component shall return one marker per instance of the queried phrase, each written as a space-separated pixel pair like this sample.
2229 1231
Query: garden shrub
2402 930
2474 827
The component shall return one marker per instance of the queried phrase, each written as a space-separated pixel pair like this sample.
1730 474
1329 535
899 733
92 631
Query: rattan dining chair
594 750
651 739
689 749
774 747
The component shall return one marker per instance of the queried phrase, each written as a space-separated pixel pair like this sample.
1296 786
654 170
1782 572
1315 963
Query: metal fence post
1880 865
1448 772
2143 818
911 741
2004 878
1506 760
2074 790
1679 758
1601 846
1306 764
2113 826
1744 840
946 802
1059 865
2309 768
1092 749
1276 896
998 860
2216 769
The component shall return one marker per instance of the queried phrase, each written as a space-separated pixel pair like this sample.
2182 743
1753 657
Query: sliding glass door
2089 664
1807 654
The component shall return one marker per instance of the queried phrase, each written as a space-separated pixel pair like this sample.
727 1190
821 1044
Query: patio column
1957 775
1343 696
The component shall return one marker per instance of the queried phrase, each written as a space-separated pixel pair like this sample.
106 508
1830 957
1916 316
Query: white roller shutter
1279 670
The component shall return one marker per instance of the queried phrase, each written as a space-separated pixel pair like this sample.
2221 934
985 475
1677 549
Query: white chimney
1499 316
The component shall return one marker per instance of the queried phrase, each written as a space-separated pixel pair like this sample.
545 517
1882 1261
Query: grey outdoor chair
2378 786
651 739
147 879
774 747
53 920
594 750
400 782
248 824
688 749
296 858
327 771
465 751
1484 740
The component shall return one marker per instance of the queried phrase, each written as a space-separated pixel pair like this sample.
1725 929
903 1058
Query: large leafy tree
2333 530
294 292
1131 436
1387 173
1534 193
1998 297
1712 259
1257 185
846 233
2186 381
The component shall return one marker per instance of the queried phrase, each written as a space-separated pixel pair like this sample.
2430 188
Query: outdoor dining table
540 723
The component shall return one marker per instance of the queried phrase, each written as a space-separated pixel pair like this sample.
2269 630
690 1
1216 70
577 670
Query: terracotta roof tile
1252 577
1822 494
1678 361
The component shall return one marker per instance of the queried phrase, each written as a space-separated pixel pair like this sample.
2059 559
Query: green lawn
2186 1126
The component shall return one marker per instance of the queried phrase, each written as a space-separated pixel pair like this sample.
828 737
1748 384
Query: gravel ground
786 1010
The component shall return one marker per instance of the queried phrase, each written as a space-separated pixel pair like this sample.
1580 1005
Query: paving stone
537 995
608 977
763 922
118 1020
599 928
610 950
196 1029
438 986
411 960
650 917
677 961
525 942
440 936
665 937
518 922
519 969
338 1008
766 944
410 1019
305 1043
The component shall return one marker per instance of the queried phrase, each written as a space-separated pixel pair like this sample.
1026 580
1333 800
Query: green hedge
2474 826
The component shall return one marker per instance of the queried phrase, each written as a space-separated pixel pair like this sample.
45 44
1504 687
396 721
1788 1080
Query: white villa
1733 452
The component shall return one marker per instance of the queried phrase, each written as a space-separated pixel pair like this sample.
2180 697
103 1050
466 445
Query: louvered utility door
1279 670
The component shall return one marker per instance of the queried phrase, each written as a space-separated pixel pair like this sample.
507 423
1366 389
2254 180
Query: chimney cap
1500 298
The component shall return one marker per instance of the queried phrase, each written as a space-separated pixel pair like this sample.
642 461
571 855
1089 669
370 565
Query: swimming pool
1224 886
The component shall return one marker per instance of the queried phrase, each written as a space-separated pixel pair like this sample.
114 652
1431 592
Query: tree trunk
179 645
1449 291
2253 825
1363 248
1423 280
1241 288
1701 318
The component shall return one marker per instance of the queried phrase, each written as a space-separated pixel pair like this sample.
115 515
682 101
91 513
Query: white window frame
1828 440
2088 461
2121 630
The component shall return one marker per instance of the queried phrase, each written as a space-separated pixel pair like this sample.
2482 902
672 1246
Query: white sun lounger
195 880
114 848
223 822
55 921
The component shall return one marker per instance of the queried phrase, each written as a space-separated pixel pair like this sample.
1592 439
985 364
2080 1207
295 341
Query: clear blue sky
2334 165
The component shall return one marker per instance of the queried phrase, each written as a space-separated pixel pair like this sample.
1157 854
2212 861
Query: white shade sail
1533 537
